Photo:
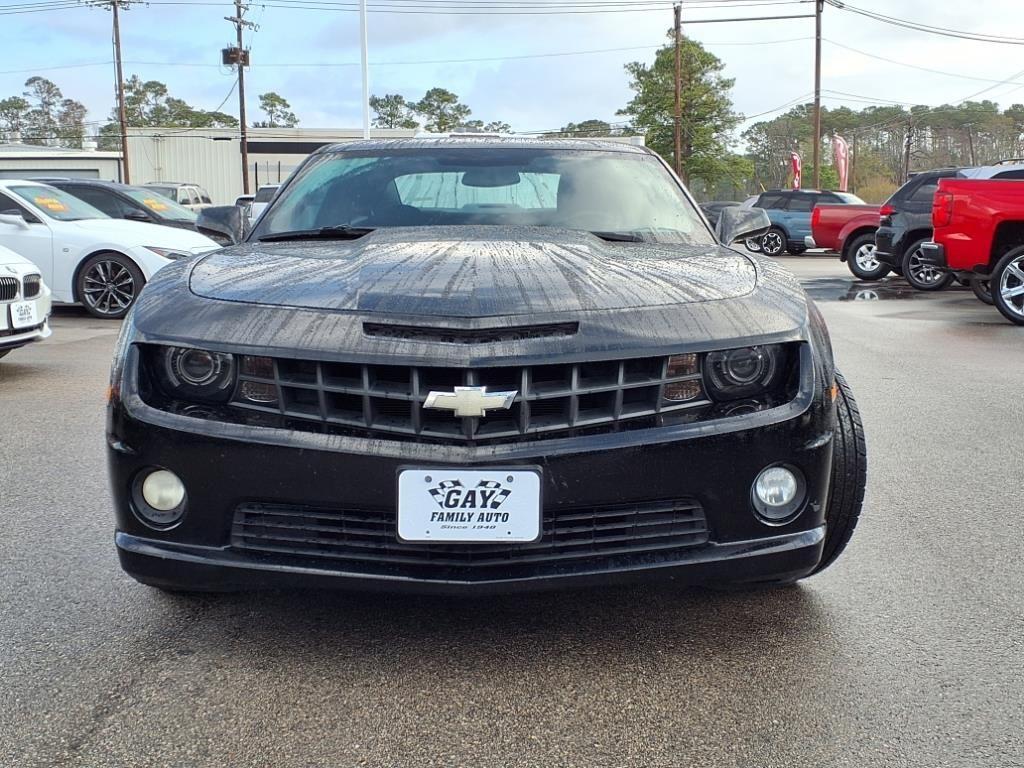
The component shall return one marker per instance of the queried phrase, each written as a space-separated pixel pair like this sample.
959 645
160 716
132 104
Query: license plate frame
488 505
24 314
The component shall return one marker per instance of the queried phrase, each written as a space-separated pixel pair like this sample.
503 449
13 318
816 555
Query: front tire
753 244
983 290
1008 286
108 284
773 242
861 259
924 277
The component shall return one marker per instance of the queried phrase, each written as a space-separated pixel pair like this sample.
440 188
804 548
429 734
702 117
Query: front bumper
13 332
228 469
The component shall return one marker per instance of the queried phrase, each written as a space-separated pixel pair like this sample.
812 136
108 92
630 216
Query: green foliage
708 118
442 110
591 128
41 115
392 111
278 112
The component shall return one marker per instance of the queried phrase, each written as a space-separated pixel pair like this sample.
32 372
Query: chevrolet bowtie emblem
470 401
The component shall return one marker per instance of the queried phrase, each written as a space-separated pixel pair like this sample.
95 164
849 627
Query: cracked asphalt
907 652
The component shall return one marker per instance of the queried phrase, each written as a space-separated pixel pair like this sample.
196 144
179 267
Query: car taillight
942 209
815 216
886 210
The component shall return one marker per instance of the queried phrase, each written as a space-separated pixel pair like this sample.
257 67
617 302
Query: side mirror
736 223
137 216
223 223
14 218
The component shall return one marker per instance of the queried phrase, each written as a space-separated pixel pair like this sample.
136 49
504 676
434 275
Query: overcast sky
772 62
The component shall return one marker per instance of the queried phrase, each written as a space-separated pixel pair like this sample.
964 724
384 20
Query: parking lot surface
907 652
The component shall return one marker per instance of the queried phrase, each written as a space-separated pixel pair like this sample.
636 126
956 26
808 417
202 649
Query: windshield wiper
342 232
619 237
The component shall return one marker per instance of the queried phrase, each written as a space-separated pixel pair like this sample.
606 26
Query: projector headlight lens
195 374
732 374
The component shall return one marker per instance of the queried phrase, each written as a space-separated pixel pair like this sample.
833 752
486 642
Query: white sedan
24 303
84 255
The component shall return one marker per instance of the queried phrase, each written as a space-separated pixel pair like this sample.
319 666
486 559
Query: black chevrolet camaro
479 364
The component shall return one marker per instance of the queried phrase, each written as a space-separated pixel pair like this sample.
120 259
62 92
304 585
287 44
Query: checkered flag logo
500 497
442 489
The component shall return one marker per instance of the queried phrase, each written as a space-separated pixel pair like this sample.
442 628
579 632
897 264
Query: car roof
485 142
988 171
21 182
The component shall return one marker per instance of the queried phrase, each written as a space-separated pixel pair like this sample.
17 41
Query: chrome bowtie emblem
470 401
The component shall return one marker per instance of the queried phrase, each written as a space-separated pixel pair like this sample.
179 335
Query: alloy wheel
771 244
924 274
108 287
1011 286
865 257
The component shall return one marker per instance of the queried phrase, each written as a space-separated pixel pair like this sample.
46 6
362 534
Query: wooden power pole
240 57
115 6
678 126
818 5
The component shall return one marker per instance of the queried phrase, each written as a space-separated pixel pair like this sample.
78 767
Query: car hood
136 233
472 272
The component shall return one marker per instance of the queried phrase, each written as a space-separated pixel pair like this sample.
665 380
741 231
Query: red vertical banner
841 155
797 168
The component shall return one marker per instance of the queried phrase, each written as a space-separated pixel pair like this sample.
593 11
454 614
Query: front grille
365 541
8 288
389 400
32 286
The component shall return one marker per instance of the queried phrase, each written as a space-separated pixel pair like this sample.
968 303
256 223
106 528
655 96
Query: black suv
120 201
906 221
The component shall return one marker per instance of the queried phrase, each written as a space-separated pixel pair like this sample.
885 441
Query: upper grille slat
386 400
8 288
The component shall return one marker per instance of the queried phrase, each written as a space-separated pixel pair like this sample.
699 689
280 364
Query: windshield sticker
155 205
51 204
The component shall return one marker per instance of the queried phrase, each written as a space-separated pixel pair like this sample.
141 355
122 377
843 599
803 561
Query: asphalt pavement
907 652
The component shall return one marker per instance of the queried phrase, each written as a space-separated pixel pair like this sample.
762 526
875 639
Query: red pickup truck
979 237
850 231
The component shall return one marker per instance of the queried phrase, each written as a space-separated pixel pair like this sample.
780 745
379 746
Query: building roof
37 150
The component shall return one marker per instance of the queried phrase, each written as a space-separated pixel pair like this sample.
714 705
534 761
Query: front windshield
602 191
56 203
162 206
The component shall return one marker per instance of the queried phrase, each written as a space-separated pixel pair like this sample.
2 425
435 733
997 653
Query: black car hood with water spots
478 272
319 299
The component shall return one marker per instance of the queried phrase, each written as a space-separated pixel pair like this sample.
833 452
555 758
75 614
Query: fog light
159 498
777 494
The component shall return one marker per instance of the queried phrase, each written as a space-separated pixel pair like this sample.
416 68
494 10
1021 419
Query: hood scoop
470 335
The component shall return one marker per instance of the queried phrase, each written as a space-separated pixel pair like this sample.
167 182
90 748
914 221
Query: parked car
262 199
191 196
83 254
24 303
906 222
121 201
979 238
849 230
790 213
480 364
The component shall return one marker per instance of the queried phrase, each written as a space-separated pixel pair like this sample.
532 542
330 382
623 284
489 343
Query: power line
920 27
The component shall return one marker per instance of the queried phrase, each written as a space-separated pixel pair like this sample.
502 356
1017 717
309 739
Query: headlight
744 372
169 253
195 374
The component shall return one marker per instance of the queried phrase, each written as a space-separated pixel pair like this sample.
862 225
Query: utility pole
818 6
365 64
240 57
115 6
677 11
970 144
906 149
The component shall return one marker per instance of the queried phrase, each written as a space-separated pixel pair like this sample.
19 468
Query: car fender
850 232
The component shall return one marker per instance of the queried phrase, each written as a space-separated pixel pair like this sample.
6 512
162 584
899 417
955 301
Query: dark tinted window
925 192
265 194
1018 174
802 203
771 200
7 204
97 197
205 198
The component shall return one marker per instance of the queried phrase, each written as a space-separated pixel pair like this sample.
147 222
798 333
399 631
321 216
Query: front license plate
24 314
469 505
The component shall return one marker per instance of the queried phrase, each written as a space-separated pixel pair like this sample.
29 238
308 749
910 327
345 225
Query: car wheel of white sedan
108 284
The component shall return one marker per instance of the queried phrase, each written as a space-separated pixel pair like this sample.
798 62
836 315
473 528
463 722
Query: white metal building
211 157
20 161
